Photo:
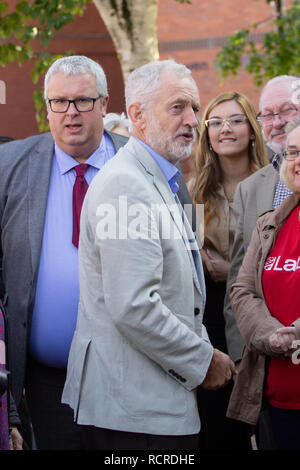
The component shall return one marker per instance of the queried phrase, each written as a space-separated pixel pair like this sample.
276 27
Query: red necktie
79 190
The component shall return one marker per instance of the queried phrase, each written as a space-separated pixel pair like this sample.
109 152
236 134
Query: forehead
226 109
174 87
66 85
276 95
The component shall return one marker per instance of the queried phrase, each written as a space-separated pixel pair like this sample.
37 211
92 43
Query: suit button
197 311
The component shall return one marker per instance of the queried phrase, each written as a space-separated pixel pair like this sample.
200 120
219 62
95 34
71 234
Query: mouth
227 139
186 136
278 135
73 127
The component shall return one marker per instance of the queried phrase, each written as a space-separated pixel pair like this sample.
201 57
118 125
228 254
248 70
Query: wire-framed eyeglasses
233 121
291 154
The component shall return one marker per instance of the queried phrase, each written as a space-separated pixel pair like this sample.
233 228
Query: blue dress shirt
170 172
57 294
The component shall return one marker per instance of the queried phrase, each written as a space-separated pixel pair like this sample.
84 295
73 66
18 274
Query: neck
81 159
234 170
81 155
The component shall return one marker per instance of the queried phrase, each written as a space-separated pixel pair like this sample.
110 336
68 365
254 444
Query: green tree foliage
28 23
278 53
31 21
34 22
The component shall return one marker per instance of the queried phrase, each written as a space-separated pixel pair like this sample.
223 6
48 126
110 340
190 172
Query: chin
277 147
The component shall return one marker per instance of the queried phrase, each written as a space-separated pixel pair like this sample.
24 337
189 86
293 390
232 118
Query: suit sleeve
252 315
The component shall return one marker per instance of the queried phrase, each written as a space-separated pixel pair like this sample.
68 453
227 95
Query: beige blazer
253 197
140 349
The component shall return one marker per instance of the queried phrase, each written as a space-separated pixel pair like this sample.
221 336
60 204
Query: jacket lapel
265 189
175 209
40 163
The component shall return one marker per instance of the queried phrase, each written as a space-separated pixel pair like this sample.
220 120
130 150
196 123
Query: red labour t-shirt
281 285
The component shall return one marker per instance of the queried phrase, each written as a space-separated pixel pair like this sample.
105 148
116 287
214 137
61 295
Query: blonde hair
291 125
208 170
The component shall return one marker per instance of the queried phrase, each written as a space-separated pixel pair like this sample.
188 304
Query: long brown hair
208 170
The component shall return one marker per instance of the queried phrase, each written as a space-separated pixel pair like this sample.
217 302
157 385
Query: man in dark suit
38 257
39 193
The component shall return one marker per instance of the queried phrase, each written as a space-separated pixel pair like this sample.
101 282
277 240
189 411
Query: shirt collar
170 172
66 162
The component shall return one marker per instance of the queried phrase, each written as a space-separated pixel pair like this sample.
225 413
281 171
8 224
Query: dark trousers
286 428
53 423
107 439
217 431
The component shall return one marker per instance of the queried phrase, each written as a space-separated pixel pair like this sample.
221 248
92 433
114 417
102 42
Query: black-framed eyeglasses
291 154
233 121
82 105
267 119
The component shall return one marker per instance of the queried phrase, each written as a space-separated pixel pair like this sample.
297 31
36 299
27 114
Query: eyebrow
288 103
185 101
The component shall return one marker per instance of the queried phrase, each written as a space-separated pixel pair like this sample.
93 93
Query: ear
104 105
48 110
136 114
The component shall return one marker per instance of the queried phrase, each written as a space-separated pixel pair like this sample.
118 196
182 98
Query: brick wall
191 34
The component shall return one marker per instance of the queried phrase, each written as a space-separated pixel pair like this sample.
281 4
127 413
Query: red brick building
192 34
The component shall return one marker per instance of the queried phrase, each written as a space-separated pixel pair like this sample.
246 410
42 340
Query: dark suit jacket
25 167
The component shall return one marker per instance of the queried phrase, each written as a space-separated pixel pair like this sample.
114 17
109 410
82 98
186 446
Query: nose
190 117
278 121
226 126
72 109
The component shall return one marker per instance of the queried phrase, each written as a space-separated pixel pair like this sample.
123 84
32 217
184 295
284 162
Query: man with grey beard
140 349
261 191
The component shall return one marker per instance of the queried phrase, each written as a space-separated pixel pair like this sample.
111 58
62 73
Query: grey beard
275 147
171 150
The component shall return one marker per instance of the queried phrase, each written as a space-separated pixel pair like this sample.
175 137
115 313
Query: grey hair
291 125
74 65
143 82
279 78
112 120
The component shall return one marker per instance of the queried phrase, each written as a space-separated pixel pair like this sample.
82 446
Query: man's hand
220 371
